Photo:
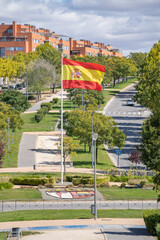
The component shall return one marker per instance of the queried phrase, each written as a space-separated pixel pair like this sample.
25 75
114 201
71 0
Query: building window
2 52
3 39
34 49
14 48
35 41
9 31
19 39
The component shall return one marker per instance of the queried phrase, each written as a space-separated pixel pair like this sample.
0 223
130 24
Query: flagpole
61 118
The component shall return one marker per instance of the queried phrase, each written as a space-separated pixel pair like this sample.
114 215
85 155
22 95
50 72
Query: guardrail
141 204
132 172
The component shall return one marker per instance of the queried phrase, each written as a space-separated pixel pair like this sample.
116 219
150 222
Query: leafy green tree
16 99
150 143
69 146
8 112
79 124
39 74
149 84
51 55
139 59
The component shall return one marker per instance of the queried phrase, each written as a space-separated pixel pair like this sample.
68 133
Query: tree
69 146
150 143
16 99
135 157
149 84
8 112
39 74
139 59
2 151
51 55
79 124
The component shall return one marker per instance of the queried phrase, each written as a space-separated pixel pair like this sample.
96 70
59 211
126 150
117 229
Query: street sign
118 152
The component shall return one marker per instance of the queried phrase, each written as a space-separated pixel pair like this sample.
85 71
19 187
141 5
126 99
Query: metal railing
16 205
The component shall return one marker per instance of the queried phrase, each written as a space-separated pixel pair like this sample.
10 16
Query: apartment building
25 38
85 47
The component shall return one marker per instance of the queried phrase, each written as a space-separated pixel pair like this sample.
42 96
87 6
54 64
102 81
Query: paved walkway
88 229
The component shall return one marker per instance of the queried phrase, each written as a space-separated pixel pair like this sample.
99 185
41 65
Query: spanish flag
82 75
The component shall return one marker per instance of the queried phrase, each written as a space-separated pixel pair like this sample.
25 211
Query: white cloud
126 24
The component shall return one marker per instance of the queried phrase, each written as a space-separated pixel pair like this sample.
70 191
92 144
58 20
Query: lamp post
95 137
8 135
92 134
87 101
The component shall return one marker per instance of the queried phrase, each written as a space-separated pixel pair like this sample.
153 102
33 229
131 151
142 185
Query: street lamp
95 137
92 134
8 135
87 101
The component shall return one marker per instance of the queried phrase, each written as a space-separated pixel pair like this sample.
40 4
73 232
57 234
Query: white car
129 102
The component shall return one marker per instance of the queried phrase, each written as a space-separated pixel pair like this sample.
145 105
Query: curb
42 228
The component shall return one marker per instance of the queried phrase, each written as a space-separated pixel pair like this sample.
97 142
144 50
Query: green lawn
26 233
67 105
125 193
30 125
20 194
66 214
84 159
124 84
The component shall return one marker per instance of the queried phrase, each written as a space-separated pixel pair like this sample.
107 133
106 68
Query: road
130 120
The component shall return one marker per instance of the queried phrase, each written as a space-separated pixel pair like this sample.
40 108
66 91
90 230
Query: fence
132 172
7 206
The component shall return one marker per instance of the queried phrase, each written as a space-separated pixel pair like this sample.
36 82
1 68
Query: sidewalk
89 229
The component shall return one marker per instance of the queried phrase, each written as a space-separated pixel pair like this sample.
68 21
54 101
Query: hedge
41 113
158 231
32 181
47 105
55 100
76 180
151 219
6 185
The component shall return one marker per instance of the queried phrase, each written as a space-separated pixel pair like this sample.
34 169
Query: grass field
125 193
25 233
30 125
66 214
84 159
20 194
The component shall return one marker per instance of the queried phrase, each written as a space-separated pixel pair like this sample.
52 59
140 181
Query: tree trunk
64 163
53 88
84 147
90 148
114 82
96 154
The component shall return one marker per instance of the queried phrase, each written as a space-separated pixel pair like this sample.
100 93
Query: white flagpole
61 118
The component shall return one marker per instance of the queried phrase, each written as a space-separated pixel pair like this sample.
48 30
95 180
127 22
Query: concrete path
26 155
88 229
48 99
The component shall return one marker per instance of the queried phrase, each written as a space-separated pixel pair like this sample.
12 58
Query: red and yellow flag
82 75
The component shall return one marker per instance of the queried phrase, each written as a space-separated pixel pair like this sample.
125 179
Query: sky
129 25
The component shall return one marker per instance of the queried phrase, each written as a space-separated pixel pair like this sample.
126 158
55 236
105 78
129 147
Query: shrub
114 178
158 231
151 219
6 185
41 113
32 181
142 183
123 185
31 97
85 180
55 100
47 105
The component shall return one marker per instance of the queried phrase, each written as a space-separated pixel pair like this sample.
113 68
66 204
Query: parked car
19 87
129 102
4 88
